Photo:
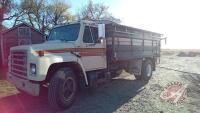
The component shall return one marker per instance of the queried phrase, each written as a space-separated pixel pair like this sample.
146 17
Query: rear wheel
146 72
62 89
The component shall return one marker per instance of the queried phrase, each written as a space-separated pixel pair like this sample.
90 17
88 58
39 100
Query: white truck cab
75 54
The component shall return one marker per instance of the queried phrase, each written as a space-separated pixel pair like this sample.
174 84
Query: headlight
32 69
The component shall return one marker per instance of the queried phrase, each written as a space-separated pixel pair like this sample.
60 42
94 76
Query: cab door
93 50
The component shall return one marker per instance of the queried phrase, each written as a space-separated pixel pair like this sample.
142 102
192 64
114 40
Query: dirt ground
124 94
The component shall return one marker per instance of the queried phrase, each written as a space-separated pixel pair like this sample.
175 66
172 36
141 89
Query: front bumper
24 85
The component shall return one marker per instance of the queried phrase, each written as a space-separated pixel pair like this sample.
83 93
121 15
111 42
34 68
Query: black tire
62 89
146 72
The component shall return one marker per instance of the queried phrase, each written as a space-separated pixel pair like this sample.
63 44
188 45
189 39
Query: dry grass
168 53
181 52
7 89
188 54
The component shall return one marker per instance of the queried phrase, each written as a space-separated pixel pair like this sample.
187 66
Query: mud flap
135 67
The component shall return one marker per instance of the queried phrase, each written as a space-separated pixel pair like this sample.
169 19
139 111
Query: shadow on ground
105 99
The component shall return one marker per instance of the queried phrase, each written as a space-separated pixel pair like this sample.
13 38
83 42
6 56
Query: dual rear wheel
146 72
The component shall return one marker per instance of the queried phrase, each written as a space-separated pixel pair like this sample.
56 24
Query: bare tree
43 15
34 12
59 12
6 7
94 11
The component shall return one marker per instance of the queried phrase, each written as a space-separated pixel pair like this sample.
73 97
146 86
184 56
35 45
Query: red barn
22 34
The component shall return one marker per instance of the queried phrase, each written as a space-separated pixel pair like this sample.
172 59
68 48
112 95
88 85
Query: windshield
65 33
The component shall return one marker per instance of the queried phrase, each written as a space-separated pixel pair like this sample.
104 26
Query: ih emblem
174 93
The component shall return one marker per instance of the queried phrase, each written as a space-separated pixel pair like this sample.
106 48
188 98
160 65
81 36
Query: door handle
93 44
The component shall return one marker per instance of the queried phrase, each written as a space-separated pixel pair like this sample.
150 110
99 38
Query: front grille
19 63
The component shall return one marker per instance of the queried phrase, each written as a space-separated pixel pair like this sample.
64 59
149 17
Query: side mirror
101 31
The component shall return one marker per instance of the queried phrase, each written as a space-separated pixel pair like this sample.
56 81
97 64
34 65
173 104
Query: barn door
24 36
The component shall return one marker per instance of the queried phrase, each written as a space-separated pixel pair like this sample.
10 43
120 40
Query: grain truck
82 54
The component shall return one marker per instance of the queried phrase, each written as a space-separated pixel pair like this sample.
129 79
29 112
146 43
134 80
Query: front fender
43 63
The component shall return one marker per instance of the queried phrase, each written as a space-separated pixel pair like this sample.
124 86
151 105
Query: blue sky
77 4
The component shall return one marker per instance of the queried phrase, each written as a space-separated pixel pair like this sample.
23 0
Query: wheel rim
148 70
68 88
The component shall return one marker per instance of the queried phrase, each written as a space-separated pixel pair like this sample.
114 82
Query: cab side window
90 35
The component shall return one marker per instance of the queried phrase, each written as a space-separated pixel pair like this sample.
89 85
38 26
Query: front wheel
62 89
146 72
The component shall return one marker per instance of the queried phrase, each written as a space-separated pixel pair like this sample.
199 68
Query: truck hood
48 45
